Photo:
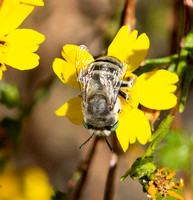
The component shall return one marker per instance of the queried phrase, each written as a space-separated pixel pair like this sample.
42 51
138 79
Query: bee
101 81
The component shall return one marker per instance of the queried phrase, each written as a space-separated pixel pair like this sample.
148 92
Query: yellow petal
72 110
21 43
83 58
36 184
27 39
155 89
12 14
33 2
66 72
1 74
69 53
128 48
30 183
120 46
139 52
2 69
132 125
10 185
22 60
75 59
77 56
133 101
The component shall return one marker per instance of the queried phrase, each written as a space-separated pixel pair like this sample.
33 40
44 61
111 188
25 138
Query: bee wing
82 61
118 83
83 58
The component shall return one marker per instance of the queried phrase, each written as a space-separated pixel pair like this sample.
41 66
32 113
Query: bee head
104 131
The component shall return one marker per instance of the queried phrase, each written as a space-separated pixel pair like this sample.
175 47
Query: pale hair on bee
101 81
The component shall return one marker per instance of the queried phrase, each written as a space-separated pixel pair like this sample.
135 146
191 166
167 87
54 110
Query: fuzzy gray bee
101 82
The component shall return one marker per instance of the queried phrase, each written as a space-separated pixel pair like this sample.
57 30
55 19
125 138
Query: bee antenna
109 145
86 141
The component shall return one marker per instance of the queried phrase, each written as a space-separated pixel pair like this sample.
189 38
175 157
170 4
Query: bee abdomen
97 105
107 64
110 60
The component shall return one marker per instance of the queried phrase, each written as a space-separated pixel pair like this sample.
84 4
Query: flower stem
151 64
79 177
128 17
155 140
186 86
185 54
158 136
109 188
163 60
182 64
125 175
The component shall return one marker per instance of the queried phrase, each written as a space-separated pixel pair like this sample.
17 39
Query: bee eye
85 125
114 127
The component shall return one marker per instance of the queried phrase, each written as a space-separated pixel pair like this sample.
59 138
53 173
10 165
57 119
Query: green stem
188 79
158 136
155 140
182 64
184 53
151 64
164 60
126 174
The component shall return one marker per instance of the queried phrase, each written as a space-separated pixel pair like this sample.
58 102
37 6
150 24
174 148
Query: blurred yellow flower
17 46
30 183
153 90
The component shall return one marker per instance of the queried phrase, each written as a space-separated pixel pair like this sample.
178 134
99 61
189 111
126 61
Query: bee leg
109 145
129 82
125 85
124 94
86 141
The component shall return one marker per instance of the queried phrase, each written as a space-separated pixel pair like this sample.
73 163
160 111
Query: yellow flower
30 183
153 90
17 46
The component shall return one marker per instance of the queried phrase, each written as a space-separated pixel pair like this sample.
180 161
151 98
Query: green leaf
175 152
141 168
